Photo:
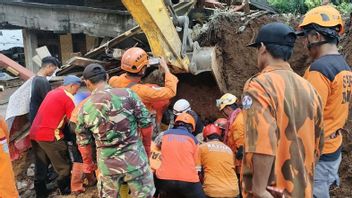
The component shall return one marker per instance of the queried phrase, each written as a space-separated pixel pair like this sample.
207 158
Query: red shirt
54 111
179 156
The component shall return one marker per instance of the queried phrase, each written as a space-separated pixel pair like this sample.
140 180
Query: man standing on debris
113 117
40 85
77 175
218 166
331 76
234 135
47 136
7 177
283 121
135 61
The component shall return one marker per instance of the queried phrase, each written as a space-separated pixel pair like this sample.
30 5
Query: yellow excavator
169 36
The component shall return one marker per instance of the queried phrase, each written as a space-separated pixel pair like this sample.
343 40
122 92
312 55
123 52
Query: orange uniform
331 76
179 156
283 119
219 171
235 137
149 94
155 157
7 178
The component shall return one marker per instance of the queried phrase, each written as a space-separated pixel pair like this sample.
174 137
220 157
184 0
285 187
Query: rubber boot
124 191
40 189
77 178
91 179
64 185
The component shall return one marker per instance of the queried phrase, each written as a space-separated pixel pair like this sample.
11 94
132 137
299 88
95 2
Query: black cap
275 33
93 70
50 60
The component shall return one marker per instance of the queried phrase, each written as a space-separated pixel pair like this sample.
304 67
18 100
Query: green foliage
312 3
289 6
345 7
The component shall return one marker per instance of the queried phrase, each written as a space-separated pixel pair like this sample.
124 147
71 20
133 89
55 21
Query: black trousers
55 153
179 189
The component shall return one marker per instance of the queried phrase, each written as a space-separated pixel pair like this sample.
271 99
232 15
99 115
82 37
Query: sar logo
247 102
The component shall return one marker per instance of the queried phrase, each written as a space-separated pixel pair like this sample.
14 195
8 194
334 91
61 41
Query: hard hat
226 99
80 96
181 106
275 33
326 17
186 118
211 129
134 60
221 123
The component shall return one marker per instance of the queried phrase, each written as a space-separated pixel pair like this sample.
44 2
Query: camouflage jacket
113 117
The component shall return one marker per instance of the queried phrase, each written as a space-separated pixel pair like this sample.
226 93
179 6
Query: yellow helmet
225 100
324 16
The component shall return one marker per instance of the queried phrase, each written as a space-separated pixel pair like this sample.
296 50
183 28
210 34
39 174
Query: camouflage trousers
140 182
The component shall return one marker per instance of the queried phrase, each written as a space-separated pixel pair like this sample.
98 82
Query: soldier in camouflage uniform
113 117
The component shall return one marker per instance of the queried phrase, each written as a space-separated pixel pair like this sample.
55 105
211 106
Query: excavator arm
153 18
160 24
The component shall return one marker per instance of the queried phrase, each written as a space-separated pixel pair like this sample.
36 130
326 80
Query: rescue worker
331 76
135 62
113 116
77 175
234 135
7 177
181 106
218 166
178 176
283 121
47 135
223 125
40 85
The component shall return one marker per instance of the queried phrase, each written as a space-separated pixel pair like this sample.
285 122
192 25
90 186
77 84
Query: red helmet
211 129
221 123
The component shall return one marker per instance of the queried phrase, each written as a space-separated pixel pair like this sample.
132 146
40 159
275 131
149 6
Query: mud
240 64
239 60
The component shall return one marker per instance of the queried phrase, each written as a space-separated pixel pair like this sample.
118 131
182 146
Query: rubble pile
231 32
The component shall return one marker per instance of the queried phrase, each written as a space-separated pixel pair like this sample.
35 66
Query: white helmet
181 106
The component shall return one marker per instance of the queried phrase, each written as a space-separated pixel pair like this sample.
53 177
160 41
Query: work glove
147 139
88 164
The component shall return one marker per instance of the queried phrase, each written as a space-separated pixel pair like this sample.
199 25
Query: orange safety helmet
211 129
186 118
324 16
134 60
221 123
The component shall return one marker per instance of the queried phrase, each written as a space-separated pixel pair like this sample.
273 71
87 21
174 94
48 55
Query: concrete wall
66 19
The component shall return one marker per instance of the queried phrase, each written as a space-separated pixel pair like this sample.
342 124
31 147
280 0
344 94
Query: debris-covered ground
226 31
231 32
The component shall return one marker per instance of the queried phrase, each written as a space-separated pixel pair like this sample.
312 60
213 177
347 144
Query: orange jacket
155 98
235 137
7 178
331 76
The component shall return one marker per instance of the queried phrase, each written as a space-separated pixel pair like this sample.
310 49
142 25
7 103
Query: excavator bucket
205 59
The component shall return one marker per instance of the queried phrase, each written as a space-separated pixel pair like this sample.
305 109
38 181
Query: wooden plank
42 52
113 42
37 60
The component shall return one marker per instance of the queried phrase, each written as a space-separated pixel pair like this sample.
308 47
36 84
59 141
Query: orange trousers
7 178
